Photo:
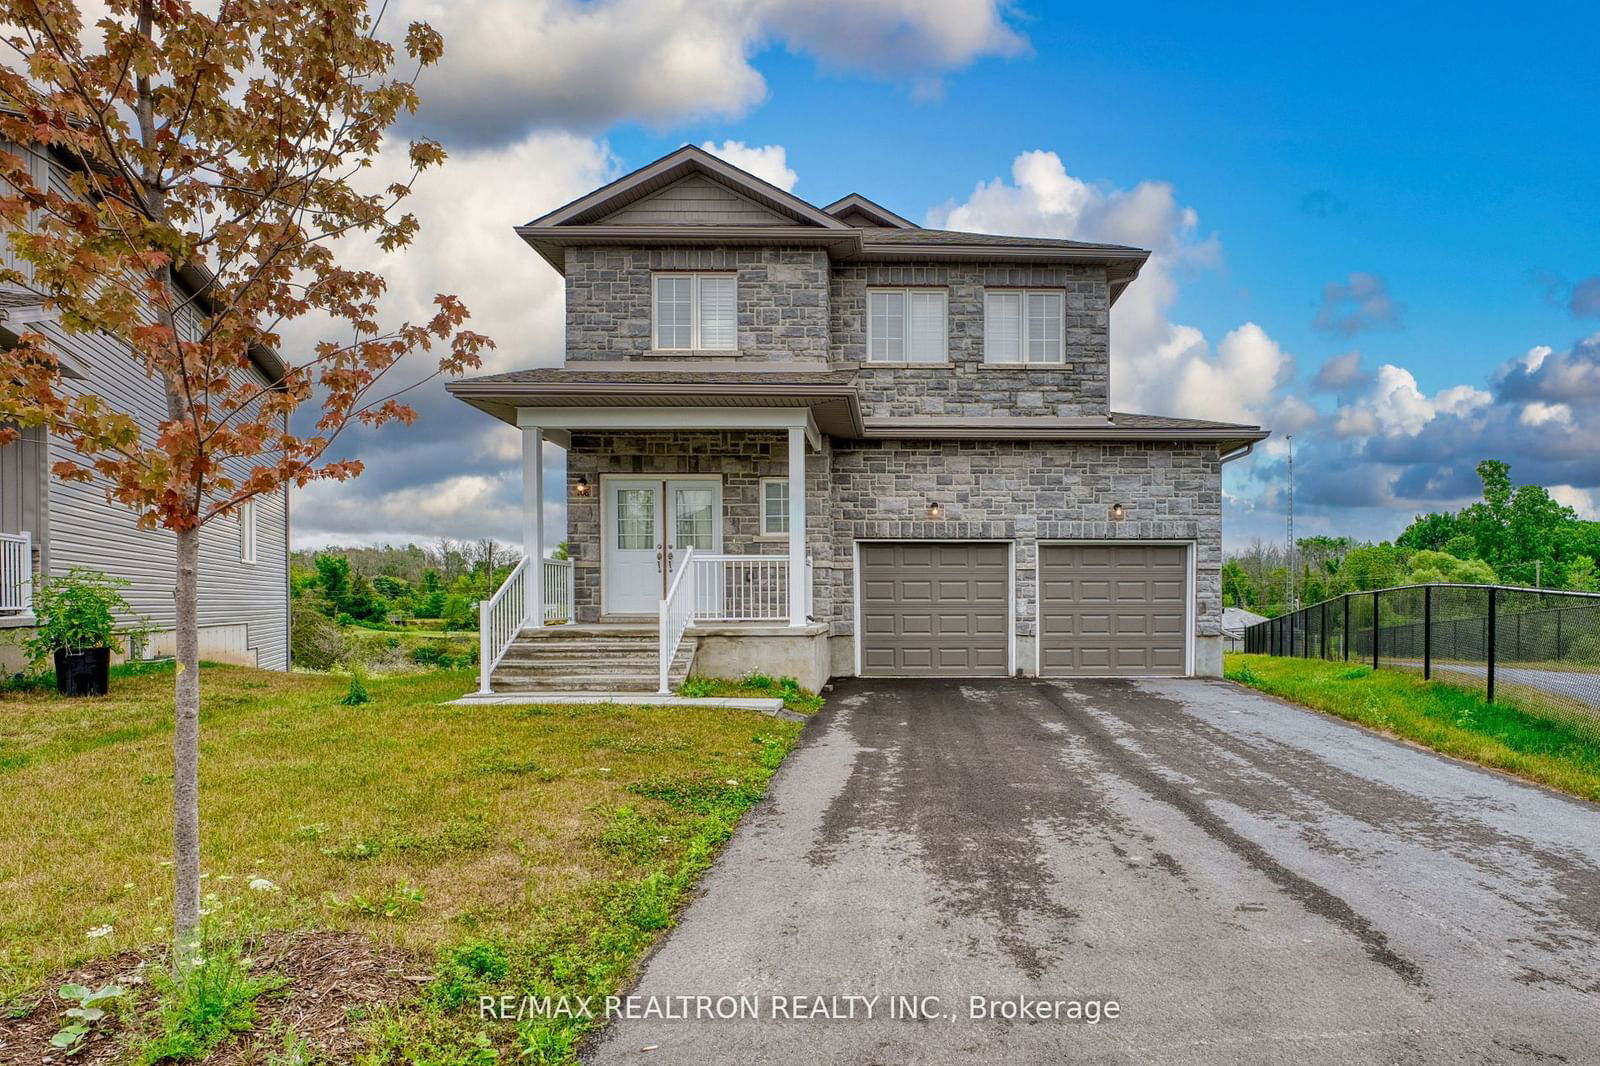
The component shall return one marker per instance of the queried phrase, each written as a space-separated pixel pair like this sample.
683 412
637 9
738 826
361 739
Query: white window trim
694 308
248 531
1022 326
761 487
906 293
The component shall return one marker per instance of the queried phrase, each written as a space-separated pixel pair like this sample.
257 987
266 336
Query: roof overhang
833 409
1226 437
1122 267
551 242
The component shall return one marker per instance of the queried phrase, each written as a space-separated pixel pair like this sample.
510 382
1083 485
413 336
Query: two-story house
49 526
826 441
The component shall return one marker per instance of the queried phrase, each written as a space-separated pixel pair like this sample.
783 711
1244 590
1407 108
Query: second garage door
1113 609
935 608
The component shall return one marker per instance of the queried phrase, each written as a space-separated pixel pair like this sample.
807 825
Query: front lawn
1451 720
497 849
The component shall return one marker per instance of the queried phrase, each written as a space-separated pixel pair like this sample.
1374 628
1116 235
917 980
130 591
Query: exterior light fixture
934 510
581 486
1118 512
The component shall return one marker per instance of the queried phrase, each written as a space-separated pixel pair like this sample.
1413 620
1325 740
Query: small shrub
357 693
315 641
1354 673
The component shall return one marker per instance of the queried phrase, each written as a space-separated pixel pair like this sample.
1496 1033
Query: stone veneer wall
1026 491
781 293
966 386
742 458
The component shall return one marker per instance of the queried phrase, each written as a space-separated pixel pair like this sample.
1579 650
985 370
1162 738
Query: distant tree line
1515 535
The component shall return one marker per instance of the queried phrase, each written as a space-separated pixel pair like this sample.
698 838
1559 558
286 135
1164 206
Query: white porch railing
677 614
16 573
740 588
558 591
500 618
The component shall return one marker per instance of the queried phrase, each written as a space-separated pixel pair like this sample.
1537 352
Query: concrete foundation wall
802 654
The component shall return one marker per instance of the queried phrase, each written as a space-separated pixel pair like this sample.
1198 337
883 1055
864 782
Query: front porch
688 542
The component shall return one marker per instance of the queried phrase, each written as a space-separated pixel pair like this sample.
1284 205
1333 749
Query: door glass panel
636 518
695 512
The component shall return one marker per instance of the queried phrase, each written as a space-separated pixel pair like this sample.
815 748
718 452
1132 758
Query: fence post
1558 633
1427 632
1375 630
1346 598
1489 655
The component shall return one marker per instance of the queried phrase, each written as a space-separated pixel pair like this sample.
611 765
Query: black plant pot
83 673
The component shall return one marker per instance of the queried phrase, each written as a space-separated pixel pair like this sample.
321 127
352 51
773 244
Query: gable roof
878 215
672 168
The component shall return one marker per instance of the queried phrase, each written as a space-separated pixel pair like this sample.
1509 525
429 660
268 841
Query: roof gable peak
671 169
879 215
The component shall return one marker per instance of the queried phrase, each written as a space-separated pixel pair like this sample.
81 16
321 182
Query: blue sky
1415 184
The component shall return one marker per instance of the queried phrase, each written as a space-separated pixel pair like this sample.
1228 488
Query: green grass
512 849
795 698
1451 720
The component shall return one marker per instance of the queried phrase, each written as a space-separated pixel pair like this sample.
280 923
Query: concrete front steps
588 658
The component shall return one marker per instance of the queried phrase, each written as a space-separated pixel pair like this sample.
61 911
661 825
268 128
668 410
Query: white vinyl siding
1022 327
907 326
774 506
695 311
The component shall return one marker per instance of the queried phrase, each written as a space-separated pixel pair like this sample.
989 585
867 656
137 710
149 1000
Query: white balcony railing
740 588
16 573
558 591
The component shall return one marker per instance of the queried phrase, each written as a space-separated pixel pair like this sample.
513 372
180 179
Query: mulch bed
335 982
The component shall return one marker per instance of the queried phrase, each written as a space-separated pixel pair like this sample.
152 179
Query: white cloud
1585 501
1536 357
1461 400
769 162
1542 414
1395 405
511 66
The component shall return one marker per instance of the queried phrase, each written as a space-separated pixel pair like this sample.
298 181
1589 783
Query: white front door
650 523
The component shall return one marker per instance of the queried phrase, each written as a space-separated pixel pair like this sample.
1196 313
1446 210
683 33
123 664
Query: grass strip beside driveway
1449 720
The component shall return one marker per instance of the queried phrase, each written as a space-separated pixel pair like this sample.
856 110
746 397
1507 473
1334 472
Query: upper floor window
906 326
1022 327
247 531
695 311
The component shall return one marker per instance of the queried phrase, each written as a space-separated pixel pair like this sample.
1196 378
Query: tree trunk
186 752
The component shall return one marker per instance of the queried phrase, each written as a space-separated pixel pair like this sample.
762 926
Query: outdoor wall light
581 486
1118 512
934 510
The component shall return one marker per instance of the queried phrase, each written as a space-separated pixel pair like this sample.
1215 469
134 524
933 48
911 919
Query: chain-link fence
1537 648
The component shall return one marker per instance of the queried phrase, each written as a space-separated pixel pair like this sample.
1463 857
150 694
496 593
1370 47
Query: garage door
1112 609
934 608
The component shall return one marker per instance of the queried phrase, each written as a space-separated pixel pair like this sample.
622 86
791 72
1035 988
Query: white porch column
797 525
533 521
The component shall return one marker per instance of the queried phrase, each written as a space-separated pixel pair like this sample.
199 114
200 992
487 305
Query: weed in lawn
633 836
84 1013
401 901
356 694
466 972
1352 673
500 761
209 1000
470 834
1243 674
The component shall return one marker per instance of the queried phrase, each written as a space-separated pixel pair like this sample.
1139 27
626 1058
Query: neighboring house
826 441
49 526
1235 620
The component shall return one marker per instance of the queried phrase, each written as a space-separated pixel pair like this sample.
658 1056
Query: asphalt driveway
1248 881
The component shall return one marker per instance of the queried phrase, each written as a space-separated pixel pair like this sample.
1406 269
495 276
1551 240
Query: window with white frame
695 311
247 531
907 326
1022 327
774 506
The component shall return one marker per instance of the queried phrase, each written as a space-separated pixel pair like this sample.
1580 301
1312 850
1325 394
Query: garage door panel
1113 609
942 608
